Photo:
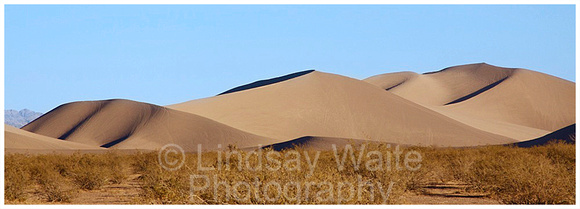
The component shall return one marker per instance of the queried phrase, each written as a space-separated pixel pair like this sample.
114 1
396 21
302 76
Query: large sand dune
446 86
468 105
329 105
125 124
517 103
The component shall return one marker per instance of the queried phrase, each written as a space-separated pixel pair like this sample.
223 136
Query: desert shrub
559 153
323 185
538 175
524 175
54 190
164 187
92 171
88 172
158 186
143 161
56 177
114 166
16 177
88 178
117 172
53 186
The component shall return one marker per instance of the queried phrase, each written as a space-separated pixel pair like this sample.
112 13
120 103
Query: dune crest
528 103
266 82
444 86
125 124
329 105
460 106
389 81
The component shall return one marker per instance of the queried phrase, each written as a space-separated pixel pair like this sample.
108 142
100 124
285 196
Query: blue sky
168 54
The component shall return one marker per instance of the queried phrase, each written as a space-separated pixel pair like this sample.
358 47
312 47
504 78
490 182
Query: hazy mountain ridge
20 118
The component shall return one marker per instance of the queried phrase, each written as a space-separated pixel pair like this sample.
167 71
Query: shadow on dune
475 93
116 141
127 124
566 134
267 82
302 141
444 69
318 143
398 84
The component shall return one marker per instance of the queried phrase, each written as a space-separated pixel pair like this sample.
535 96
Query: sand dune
389 81
510 130
516 103
527 98
21 141
125 124
329 105
441 87
468 105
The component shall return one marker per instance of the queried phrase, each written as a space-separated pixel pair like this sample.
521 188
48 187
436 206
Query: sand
21 141
461 106
125 124
517 103
330 105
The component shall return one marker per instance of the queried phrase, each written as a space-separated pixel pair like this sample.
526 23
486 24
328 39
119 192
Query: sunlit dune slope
17 140
126 124
516 103
329 105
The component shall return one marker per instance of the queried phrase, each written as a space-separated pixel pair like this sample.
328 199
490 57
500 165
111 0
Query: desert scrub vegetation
297 176
513 175
373 174
57 177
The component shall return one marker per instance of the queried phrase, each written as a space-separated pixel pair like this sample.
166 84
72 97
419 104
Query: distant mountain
20 118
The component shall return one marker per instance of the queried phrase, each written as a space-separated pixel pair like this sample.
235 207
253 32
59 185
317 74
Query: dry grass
539 175
58 177
321 186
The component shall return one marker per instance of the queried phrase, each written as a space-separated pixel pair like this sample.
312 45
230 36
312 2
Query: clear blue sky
170 54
